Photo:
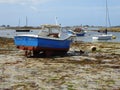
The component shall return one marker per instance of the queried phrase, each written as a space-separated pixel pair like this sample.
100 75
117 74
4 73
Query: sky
68 12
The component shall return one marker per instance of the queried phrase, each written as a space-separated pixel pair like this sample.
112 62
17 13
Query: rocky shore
83 68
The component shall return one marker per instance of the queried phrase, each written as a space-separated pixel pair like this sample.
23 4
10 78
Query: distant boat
78 32
103 37
51 40
22 30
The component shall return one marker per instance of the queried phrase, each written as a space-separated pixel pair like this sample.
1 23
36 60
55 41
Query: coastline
112 29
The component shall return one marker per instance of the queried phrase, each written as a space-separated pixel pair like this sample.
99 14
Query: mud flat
80 69
113 29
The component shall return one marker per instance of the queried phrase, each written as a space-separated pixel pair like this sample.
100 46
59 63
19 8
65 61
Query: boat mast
26 21
19 23
107 15
56 22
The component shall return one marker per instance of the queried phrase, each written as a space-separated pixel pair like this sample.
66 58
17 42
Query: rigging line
107 16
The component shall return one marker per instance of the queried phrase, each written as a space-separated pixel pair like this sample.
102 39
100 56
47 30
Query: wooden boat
47 41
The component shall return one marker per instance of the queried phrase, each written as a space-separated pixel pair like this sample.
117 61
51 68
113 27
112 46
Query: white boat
103 37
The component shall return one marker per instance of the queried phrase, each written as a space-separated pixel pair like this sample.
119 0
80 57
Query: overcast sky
69 12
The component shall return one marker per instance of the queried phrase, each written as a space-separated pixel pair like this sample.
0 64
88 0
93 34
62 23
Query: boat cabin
50 30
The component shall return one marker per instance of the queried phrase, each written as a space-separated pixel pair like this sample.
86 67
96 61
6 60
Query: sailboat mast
106 15
56 22
19 23
26 21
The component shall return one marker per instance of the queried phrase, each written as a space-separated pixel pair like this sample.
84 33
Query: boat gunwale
44 37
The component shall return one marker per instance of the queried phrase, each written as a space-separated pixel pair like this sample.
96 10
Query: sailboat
104 36
23 29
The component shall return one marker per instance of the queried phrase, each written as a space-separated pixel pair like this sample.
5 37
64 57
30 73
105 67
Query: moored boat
79 31
103 37
47 41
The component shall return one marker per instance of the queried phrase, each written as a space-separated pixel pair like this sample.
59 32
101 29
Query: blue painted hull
80 34
34 43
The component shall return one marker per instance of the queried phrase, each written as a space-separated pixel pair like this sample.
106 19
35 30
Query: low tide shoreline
113 29
91 70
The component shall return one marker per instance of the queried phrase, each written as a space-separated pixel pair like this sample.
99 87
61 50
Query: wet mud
80 69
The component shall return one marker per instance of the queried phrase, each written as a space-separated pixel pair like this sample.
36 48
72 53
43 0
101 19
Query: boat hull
42 44
80 34
102 37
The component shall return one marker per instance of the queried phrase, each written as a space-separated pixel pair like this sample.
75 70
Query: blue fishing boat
51 41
